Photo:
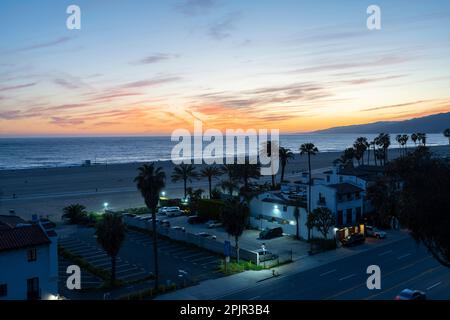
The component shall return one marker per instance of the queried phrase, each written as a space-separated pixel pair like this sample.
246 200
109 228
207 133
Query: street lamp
163 193
105 206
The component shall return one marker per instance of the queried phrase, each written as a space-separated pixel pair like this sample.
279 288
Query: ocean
23 153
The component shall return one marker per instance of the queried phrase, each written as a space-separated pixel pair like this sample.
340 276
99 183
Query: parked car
408 294
271 233
179 228
174 212
353 240
213 224
196 219
164 210
206 235
375 233
129 215
265 255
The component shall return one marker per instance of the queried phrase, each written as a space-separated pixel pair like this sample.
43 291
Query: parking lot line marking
132 275
98 259
202 258
192 255
74 247
176 250
404 256
434 285
385 253
126 270
347 277
102 265
255 298
326 273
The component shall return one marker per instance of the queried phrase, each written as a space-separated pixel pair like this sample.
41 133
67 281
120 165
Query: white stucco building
28 260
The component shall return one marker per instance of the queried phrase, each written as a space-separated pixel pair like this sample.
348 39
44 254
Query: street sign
227 248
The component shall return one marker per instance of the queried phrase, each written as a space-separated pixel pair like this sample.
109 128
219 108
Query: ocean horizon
50 152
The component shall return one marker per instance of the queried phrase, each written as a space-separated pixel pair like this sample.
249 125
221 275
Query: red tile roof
15 234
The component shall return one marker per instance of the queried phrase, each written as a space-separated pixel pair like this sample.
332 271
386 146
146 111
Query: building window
328 179
3 290
33 289
357 195
341 179
32 254
284 208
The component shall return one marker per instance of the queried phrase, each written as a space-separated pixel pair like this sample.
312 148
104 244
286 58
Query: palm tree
369 145
248 171
285 154
110 232
384 141
422 137
210 172
234 218
267 150
346 158
184 172
399 140
150 181
229 185
360 147
447 134
75 213
414 138
310 149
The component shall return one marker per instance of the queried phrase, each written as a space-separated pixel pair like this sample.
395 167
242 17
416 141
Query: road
403 265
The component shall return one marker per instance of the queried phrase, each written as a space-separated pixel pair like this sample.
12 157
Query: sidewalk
217 288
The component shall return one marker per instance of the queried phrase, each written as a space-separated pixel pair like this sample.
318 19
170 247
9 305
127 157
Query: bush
319 245
210 208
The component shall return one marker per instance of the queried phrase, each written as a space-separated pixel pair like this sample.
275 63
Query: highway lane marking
403 256
326 273
434 285
364 284
347 277
403 283
255 298
385 253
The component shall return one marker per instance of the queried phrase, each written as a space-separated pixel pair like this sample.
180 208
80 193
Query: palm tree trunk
155 248
237 249
298 231
273 181
309 186
282 171
375 155
210 188
368 156
113 269
185 188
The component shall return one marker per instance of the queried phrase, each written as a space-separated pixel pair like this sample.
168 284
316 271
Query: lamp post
105 206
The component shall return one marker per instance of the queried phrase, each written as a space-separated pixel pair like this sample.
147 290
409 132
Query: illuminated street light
105 206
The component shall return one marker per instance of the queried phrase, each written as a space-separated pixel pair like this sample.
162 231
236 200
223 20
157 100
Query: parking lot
178 262
249 240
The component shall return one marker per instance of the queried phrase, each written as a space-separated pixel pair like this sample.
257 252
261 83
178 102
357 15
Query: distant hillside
435 123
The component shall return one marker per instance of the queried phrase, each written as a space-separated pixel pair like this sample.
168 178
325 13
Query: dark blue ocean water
21 153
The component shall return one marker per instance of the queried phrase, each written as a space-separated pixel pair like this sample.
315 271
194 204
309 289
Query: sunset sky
149 67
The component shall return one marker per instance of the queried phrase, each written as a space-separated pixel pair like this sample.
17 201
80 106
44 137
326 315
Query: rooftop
345 188
16 233
368 173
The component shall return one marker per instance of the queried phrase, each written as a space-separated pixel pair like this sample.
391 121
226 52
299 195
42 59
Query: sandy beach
47 191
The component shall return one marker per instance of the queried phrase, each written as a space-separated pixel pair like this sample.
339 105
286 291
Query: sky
150 67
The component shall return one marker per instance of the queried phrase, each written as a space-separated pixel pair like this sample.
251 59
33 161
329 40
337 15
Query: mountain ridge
435 123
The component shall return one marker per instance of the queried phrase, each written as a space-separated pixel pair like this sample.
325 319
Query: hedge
210 208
